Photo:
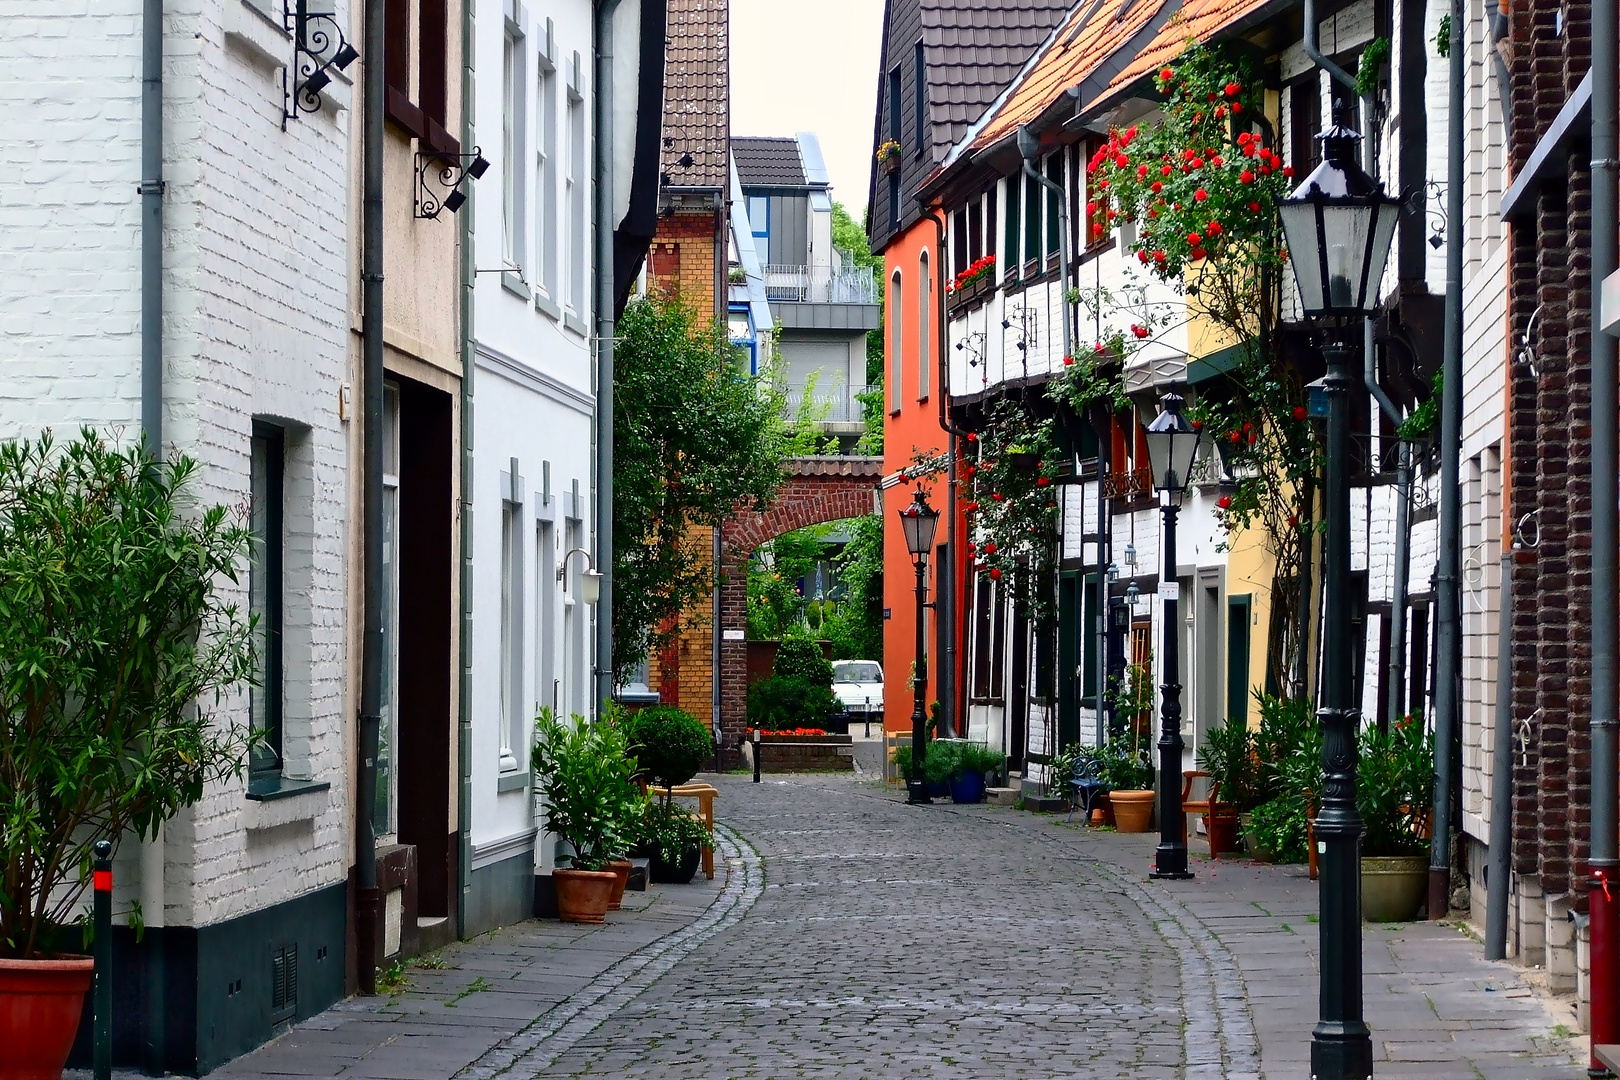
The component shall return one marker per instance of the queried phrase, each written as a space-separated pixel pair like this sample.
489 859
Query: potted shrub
584 773
670 745
1128 774
1288 749
940 765
116 647
1394 792
973 764
1228 756
673 841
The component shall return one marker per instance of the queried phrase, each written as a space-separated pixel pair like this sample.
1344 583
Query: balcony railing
1130 484
829 404
787 283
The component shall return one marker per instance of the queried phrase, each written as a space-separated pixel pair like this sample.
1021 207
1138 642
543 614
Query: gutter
606 328
155 1042
464 688
946 605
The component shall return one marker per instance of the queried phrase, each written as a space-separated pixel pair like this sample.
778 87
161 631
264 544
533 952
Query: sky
810 66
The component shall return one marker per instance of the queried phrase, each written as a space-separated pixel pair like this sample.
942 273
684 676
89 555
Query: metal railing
826 404
785 282
1134 483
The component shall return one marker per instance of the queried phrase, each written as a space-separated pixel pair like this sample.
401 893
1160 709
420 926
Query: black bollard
756 755
868 718
102 882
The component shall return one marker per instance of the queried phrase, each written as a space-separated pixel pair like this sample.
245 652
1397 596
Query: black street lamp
1172 443
1338 225
918 521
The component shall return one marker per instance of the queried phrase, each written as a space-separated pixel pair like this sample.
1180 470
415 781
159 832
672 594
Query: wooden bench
1189 805
705 794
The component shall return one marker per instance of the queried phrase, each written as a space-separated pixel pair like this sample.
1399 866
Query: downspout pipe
955 717
605 330
469 282
371 365
1501 833
1603 906
1448 619
155 1043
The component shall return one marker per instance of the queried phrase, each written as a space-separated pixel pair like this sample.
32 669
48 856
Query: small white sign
1169 590
732 635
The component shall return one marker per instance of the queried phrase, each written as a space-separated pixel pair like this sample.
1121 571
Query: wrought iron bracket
439 178
319 47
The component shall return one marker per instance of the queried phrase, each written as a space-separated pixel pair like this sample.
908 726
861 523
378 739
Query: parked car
858 685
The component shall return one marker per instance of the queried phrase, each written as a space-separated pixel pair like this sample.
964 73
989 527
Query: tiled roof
1092 34
768 162
972 49
697 95
1198 20
836 465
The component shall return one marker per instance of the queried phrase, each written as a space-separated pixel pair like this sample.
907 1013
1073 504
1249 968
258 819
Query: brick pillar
1577 431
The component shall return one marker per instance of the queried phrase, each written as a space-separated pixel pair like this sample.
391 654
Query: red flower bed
798 732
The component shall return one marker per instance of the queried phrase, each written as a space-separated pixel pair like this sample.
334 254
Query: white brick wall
256 324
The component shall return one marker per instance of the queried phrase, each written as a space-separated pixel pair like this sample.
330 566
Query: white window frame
897 360
514 139
924 285
544 274
514 722
576 184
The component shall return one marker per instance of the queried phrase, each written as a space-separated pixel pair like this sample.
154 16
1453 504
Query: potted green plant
670 745
940 762
592 803
1127 772
1394 792
1227 754
1023 458
1288 752
974 763
673 840
888 156
116 648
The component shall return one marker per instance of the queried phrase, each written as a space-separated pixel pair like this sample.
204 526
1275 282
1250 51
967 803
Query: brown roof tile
1197 20
697 95
768 161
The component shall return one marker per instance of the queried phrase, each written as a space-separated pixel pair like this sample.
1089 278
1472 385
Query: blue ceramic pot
967 787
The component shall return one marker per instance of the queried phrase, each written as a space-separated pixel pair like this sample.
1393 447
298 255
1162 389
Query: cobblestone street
847 935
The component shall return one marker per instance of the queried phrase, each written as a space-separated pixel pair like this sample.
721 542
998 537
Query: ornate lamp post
1338 225
918 521
1172 443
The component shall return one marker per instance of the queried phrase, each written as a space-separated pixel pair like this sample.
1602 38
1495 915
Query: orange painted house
943 63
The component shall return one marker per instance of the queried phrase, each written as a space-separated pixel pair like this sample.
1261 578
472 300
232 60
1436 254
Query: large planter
1393 888
938 789
620 868
1133 810
677 873
1222 827
1257 851
583 895
967 787
40 1005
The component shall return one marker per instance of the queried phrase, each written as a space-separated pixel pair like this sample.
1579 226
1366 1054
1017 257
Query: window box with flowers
888 156
974 283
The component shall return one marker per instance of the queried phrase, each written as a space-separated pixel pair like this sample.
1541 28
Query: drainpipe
469 281
605 330
1448 618
1605 915
1403 557
154 1050
371 378
955 718
1501 834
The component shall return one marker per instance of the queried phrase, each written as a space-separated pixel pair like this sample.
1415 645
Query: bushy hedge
797 658
782 702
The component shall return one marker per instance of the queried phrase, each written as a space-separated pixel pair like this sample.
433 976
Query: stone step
1001 796
434 932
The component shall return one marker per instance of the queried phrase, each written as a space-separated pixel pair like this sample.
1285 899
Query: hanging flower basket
888 156
1025 461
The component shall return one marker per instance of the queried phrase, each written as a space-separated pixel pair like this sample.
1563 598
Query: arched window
896 360
924 294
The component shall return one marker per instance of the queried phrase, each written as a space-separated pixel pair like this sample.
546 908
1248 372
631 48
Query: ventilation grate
283 983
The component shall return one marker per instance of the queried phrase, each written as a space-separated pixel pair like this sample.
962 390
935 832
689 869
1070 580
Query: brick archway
818 489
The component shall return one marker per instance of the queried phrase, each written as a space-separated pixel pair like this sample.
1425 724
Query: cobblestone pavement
851 936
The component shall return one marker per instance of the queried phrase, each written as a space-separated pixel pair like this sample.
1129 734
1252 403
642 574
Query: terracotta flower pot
582 895
1133 810
40 1004
621 878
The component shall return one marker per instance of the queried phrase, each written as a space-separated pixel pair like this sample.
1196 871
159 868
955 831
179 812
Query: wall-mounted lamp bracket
439 178
318 47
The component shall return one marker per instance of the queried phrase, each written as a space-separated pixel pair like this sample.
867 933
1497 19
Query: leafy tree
799 658
856 628
695 440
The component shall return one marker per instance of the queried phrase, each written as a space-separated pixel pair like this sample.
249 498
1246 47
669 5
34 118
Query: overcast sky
810 65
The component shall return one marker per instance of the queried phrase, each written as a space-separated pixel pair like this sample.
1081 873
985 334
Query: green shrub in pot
978 758
1227 754
668 743
117 645
584 772
1395 789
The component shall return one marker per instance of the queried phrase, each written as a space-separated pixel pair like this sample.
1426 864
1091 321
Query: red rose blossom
1193 239
1224 502
1246 177
1299 412
1200 195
